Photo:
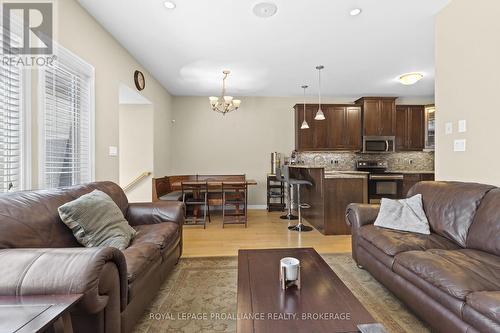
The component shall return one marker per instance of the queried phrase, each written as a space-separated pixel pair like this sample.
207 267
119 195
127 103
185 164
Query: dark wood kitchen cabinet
379 115
341 130
410 127
412 178
304 137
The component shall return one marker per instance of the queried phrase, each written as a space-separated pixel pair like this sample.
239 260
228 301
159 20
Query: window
66 122
14 169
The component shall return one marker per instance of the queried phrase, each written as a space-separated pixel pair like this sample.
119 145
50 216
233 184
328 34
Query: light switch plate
448 128
113 151
459 145
462 126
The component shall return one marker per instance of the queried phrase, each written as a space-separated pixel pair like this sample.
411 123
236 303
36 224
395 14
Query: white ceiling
186 49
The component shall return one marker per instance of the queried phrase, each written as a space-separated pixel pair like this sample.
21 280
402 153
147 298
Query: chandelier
224 104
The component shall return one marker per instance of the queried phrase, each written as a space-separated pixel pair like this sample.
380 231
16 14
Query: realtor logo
37 28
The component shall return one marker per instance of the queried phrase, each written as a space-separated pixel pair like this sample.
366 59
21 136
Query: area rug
200 296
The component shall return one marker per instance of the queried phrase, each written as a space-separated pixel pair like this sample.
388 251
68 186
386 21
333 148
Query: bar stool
300 226
282 175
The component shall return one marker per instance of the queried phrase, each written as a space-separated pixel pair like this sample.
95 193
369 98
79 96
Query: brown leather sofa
450 278
39 255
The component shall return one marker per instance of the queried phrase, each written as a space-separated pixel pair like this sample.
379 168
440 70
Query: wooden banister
137 180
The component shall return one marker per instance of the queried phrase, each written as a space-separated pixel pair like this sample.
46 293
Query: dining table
214 189
213 185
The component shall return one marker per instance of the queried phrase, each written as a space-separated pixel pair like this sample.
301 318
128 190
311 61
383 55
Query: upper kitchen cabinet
430 127
341 130
410 123
344 127
379 115
305 139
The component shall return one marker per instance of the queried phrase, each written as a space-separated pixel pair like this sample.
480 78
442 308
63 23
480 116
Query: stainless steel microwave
379 144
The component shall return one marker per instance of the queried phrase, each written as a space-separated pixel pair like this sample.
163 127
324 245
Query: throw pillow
405 215
96 220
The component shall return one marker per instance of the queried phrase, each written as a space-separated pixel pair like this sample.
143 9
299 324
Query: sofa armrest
155 212
55 271
358 215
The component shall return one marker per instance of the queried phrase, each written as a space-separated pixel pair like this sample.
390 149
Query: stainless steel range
381 184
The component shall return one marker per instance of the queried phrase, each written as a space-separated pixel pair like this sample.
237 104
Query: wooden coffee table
323 304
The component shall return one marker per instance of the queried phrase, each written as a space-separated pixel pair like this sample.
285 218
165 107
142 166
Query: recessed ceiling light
355 12
265 9
410 78
169 4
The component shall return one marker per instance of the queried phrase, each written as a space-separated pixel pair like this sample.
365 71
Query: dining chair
235 194
194 197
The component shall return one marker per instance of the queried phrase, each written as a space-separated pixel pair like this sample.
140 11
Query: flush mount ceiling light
410 78
304 125
169 4
265 9
224 104
355 12
319 115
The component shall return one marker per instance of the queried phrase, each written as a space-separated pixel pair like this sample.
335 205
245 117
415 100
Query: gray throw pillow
404 215
96 221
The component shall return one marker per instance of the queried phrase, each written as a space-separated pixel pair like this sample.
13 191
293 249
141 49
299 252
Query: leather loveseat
39 255
450 278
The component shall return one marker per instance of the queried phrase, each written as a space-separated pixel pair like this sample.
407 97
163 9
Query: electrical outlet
459 145
448 128
462 126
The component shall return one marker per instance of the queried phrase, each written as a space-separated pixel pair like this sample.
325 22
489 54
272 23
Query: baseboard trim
259 207
253 207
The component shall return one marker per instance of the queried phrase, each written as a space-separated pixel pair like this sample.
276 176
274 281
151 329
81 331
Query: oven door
385 186
379 144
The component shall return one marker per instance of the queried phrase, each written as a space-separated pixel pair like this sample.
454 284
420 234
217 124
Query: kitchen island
329 195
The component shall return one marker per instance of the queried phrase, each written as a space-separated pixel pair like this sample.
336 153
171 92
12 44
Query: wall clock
140 83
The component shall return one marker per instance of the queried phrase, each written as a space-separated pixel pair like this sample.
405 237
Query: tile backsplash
401 161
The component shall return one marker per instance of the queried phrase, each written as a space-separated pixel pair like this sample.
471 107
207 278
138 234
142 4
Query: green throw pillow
96 220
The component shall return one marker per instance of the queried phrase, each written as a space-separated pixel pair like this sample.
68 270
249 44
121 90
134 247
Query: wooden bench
169 187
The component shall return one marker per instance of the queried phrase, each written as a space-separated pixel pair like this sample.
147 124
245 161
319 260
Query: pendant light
319 115
304 125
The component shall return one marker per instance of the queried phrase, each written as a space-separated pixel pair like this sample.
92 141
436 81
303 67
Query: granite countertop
351 172
412 172
304 166
345 174
335 173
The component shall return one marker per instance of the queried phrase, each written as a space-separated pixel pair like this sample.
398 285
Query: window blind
66 143
11 123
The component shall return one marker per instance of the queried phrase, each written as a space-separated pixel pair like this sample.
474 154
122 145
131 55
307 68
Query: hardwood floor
265 230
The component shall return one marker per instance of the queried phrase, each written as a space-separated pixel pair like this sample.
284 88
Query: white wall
467 87
205 142
136 155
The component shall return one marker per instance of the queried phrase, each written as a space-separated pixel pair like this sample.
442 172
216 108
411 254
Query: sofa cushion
96 221
139 256
484 233
450 206
403 215
486 302
392 242
456 272
29 219
159 234
172 196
